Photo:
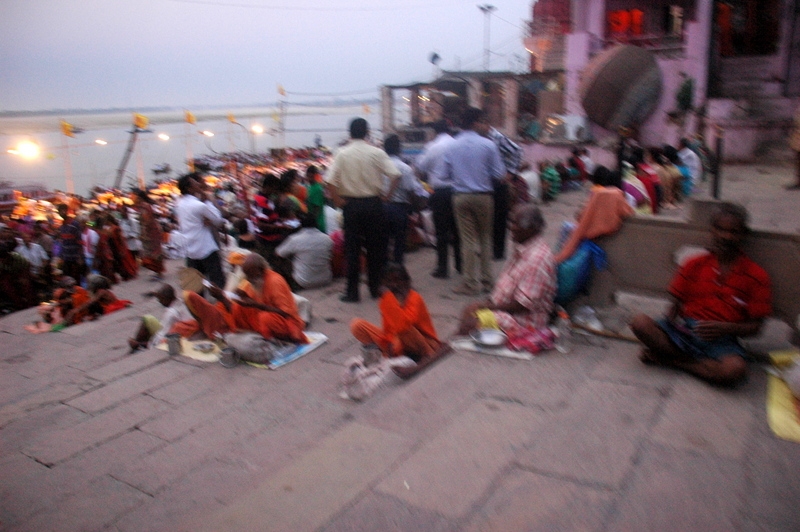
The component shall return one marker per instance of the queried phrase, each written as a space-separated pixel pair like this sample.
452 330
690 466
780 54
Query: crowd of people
256 236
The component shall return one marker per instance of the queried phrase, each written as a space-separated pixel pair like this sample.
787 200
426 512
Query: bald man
263 304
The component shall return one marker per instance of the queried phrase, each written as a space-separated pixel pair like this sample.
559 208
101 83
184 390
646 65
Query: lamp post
487 10
255 130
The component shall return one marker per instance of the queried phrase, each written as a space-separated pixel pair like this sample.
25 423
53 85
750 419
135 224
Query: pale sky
140 53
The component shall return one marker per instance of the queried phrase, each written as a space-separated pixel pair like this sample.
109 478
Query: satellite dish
621 86
435 58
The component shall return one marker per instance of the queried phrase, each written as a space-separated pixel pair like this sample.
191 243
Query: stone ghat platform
95 439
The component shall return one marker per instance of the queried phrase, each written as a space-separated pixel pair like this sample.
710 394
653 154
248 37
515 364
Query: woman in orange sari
103 256
124 262
152 236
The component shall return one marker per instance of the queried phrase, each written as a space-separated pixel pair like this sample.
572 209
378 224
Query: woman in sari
152 236
124 262
103 256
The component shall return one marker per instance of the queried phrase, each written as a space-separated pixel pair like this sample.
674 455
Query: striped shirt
509 150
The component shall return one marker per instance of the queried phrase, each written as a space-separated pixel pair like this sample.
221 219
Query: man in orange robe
407 326
264 305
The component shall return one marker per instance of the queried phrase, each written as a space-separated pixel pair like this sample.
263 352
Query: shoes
466 290
349 299
439 274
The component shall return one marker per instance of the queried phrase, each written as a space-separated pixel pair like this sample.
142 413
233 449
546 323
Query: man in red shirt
718 297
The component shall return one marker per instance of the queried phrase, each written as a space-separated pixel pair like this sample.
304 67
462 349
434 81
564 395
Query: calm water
93 164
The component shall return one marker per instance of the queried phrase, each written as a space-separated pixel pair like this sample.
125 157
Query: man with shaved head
264 303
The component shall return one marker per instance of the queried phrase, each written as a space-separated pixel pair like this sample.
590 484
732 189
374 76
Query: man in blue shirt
474 164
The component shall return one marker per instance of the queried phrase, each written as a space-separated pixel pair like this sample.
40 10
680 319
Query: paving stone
14 466
596 439
152 472
621 364
130 364
679 490
88 355
426 404
451 472
309 491
701 418
41 398
229 394
130 386
381 512
195 386
172 509
529 501
30 426
99 503
103 459
66 442
773 483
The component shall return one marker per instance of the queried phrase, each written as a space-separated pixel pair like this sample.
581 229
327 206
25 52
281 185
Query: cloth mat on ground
783 412
188 349
464 343
315 340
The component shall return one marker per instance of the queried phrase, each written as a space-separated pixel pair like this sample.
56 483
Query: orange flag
189 117
140 121
67 129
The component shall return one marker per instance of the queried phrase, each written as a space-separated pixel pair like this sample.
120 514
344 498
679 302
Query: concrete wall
641 258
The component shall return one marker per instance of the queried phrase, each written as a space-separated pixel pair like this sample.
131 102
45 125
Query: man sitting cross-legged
263 304
718 297
407 327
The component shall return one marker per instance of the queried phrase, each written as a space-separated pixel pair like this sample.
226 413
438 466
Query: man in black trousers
355 182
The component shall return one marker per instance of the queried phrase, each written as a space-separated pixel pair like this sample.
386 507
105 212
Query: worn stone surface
529 501
311 490
94 439
454 469
700 418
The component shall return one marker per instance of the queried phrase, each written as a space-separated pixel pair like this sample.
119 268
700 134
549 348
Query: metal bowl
489 337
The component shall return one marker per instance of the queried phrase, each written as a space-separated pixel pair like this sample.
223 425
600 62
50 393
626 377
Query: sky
99 54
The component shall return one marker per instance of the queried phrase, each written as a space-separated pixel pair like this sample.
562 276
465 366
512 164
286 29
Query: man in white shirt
34 253
690 160
197 220
310 252
89 239
588 163
441 200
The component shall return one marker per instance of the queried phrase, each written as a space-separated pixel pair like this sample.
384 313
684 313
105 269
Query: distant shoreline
193 108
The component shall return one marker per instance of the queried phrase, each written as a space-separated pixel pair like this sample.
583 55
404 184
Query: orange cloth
79 297
276 293
603 215
216 319
209 318
408 329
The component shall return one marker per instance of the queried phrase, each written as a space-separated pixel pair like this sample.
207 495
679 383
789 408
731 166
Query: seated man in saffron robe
263 304
407 327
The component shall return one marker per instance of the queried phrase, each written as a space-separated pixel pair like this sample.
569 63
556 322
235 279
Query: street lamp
27 149
255 129
487 11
